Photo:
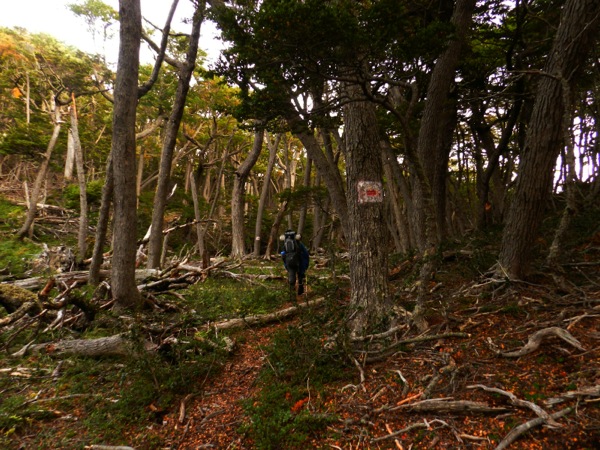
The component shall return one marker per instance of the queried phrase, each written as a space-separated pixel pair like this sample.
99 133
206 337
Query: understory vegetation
308 385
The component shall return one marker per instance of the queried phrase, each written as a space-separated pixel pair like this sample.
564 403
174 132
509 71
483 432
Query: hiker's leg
292 278
301 278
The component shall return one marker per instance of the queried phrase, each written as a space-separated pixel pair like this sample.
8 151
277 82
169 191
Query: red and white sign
370 192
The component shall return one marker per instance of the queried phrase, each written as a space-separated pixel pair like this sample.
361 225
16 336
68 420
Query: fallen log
117 345
263 319
12 318
81 276
14 297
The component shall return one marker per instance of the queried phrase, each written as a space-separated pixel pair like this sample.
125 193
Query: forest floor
451 390
504 364
419 396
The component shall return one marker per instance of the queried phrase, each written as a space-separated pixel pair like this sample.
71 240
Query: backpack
292 251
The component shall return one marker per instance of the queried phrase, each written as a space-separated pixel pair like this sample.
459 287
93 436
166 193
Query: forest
439 161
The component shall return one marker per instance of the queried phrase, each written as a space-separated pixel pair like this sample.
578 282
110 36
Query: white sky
54 18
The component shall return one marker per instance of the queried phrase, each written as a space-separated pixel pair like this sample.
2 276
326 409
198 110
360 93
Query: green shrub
93 194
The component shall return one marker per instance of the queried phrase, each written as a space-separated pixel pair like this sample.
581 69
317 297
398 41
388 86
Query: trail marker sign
370 192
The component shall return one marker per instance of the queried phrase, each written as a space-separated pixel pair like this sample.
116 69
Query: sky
54 18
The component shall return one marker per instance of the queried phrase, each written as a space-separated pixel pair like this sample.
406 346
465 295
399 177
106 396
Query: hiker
295 259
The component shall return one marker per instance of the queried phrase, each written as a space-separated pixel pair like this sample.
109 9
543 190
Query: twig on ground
440 405
411 427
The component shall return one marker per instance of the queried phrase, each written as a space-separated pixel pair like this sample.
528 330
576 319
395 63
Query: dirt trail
213 417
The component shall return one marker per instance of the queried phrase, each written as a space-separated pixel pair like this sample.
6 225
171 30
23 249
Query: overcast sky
54 18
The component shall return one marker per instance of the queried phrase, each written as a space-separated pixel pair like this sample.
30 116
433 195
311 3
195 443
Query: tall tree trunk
304 207
435 133
399 189
434 143
200 229
102 225
83 205
327 169
264 193
319 219
105 204
369 297
170 139
124 290
238 249
273 235
41 176
578 29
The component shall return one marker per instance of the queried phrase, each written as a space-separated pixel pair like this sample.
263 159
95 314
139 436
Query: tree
238 248
124 290
369 297
577 30
83 205
272 145
186 69
283 76
42 172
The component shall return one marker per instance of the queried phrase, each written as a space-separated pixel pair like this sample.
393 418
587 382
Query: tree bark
578 28
264 193
124 290
238 248
435 135
369 297
83 206
164 175
102 225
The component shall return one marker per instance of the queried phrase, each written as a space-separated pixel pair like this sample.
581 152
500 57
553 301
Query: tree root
524 427
535 340
518 402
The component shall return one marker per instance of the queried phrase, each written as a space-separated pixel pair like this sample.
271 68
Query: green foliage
277 422
15 255
10 215
93 194
217 299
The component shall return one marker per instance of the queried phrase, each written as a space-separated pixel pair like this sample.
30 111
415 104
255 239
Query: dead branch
200 270
518 402
411 427
23 310
535 340
447 405
519 430
263 319
108 447
374 355
591 391
36 283
182 406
